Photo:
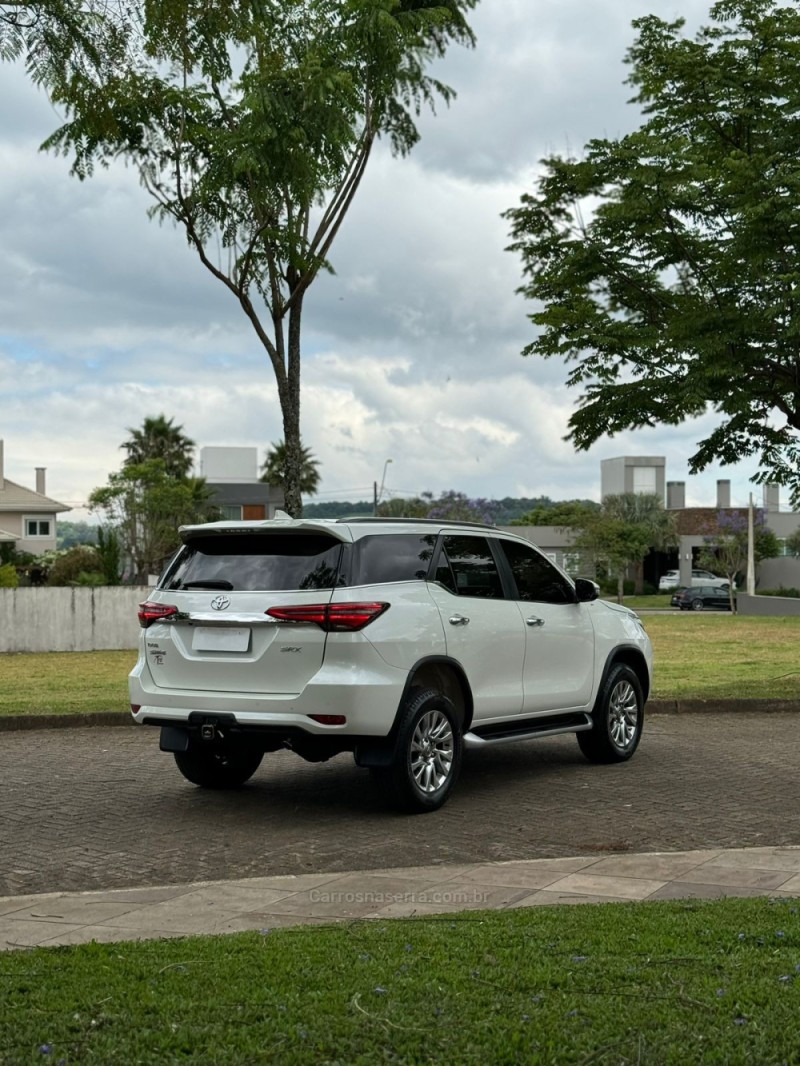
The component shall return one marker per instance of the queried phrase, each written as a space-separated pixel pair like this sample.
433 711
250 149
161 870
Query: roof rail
417 521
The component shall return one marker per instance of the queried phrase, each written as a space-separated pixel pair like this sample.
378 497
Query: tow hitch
208 732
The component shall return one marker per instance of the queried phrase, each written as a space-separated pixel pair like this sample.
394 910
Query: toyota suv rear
401 641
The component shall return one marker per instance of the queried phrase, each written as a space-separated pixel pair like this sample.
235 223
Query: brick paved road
95 808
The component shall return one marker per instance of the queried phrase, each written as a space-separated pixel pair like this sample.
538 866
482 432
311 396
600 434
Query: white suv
671 580
402 641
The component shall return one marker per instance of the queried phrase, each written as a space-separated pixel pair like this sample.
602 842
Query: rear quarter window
256 563
376 560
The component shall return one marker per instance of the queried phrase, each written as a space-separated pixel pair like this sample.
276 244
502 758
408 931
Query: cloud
412 348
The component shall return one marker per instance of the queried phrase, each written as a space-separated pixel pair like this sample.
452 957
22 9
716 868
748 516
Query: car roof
344 529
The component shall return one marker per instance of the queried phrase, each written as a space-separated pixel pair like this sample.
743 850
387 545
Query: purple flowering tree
725 548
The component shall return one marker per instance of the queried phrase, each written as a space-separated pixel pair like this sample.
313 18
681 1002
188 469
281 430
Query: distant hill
503 512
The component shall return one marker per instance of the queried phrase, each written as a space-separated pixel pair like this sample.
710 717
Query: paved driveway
101 808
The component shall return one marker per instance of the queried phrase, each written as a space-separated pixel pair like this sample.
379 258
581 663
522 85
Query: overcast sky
412 350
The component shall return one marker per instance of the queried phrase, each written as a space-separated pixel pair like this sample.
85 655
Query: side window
392 557
472 569
537 580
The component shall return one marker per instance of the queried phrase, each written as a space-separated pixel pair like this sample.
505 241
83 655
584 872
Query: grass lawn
678 982
65 682
716 656
703 656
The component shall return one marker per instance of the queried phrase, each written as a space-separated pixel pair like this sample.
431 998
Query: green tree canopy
621 532
159 438
144 505
251 126
566 513
665 264
275 464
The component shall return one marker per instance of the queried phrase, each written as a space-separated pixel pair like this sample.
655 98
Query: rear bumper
367 698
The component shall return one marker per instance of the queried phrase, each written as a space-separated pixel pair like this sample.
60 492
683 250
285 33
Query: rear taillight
154 612
332 617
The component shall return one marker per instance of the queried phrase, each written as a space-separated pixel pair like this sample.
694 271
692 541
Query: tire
697 605
618 719
427 756
218 768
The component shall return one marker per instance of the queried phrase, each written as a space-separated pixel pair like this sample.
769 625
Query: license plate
219 638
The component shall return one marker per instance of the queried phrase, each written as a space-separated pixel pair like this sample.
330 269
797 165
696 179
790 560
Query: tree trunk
290 409
621 584
639 577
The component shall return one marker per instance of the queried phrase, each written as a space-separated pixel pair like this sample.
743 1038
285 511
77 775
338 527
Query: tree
450 506
61 41
666 263
145 506
615 543
251 126
623 530
792 544
458 507
565 513
159 438
71 534
725 549
644 509
69 566
275 464
109 549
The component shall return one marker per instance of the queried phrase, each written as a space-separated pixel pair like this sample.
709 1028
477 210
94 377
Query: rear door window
467 568
256 563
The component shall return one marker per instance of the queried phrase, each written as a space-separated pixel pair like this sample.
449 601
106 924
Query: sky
412 350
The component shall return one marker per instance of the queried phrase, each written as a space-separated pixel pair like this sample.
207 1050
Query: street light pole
376 493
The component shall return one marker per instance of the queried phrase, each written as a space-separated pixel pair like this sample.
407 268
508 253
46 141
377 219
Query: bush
608 586
791 593
68 566
8 577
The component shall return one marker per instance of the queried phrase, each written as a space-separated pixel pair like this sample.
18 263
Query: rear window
254 563
396 557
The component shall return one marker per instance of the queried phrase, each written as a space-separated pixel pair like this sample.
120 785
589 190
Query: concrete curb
17 722
720 706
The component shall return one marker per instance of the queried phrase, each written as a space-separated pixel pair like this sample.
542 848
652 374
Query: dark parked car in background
697 599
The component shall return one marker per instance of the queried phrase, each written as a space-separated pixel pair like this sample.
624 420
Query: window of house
231 512
38 527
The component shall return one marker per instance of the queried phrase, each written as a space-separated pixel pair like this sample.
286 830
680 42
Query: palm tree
160 439
274 468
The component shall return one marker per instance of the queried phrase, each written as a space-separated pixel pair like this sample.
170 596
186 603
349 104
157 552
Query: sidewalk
271 902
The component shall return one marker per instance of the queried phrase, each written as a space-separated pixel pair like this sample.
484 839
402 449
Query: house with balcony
27 516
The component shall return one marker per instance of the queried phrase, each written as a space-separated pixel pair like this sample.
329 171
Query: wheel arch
448 677
630 656
433 672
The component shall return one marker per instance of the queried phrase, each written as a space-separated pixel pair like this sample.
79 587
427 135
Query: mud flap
174 739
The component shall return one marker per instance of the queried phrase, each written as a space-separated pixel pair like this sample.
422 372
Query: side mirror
586 590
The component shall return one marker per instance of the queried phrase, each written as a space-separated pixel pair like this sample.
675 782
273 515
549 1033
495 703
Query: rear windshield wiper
226 585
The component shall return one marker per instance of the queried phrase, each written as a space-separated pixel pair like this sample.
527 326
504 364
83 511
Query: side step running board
528 732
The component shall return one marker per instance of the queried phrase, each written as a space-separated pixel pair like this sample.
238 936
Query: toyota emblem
220 603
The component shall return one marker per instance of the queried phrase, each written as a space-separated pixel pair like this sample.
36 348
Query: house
27 517
232 475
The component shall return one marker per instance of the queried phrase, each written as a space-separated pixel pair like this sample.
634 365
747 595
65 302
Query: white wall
69 619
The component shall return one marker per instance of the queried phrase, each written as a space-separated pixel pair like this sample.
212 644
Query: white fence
69 619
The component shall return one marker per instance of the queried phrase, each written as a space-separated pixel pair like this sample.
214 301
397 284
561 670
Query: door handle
458 620
534 621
